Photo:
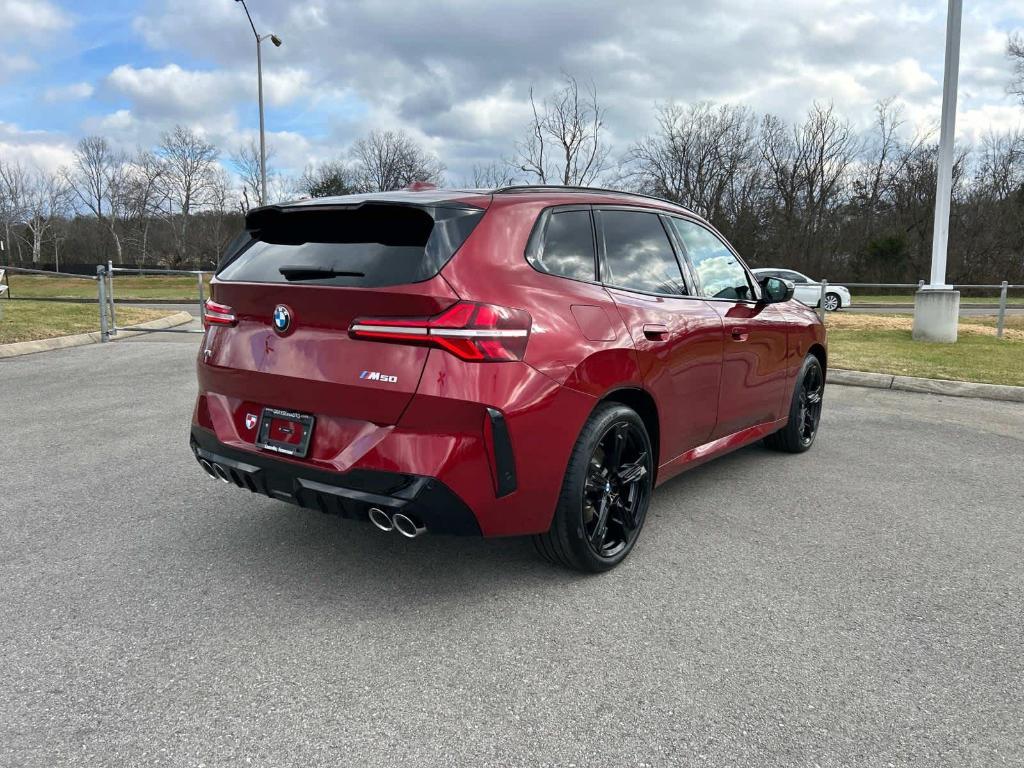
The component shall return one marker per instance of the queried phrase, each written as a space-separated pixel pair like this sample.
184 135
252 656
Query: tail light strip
218 314
470 331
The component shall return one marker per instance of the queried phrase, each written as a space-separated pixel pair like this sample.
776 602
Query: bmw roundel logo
282 318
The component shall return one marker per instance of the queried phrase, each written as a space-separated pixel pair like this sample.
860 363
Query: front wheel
605 493
804 410
832 302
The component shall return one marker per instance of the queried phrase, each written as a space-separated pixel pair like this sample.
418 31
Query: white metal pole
940 238
263 140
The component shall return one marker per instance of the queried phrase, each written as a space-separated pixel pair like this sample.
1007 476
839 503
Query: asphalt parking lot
858 605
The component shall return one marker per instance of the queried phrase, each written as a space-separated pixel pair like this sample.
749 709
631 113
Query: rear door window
638 255
370 246
566 247
720 272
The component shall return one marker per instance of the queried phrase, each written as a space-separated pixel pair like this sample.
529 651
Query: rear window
566 248
366 247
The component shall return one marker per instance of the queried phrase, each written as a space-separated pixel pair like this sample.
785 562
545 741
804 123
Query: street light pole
259 78
940 237
937 305
263 136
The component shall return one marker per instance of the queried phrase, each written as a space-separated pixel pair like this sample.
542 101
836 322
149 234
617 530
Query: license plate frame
266 443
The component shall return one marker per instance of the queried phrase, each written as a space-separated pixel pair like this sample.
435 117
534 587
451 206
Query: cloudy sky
456 73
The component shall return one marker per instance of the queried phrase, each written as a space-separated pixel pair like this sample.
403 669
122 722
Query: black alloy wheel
615 493
812 390
605 493
804 410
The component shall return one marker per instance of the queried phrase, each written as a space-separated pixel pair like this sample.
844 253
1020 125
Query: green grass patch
31 320
126 286
975 357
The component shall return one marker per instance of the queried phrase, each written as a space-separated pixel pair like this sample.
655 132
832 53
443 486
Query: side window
720 272
638 253
567 248
793 276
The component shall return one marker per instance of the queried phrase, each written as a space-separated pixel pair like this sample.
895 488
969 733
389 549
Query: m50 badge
378 376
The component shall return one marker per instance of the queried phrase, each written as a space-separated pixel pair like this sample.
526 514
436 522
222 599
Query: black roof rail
565 188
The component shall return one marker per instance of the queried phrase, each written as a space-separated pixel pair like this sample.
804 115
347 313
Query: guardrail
106 275
7 270
1002 287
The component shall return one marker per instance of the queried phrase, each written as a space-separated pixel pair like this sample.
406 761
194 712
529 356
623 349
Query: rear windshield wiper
315 273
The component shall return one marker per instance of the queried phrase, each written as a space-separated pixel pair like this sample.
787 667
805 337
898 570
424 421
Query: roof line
564 188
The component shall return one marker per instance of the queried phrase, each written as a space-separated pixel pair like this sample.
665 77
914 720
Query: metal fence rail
1002 287
106 275
105 295
7 270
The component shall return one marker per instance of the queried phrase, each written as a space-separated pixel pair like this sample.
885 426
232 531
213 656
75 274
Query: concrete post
936 315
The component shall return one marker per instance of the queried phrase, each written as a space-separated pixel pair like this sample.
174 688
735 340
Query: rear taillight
218 314
470 331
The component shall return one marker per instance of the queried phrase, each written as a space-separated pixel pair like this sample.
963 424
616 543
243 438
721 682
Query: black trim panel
504 460
349 494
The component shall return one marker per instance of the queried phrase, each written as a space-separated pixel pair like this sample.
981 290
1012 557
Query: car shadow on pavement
301 550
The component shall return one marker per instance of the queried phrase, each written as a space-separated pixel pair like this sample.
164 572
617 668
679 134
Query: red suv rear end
523 361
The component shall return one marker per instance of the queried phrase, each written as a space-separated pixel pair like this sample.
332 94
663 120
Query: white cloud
30 19
42 149
71 92
457 75
182 93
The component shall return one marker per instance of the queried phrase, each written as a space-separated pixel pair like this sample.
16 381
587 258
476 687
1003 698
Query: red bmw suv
527 360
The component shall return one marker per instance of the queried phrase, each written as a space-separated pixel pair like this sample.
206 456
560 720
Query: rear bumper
351 494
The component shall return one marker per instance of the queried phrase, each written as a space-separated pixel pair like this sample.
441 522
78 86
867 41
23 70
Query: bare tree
564 142
333 177
188 181
386 160
97 179
1015 50
701 156
808 172
246 161
143 196
38 200
494 175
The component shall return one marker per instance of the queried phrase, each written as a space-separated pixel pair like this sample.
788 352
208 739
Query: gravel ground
857 605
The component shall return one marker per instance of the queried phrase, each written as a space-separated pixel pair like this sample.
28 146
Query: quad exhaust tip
381 520
404 524
207 467
221 473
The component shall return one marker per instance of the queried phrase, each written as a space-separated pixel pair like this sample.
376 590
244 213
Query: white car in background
808 291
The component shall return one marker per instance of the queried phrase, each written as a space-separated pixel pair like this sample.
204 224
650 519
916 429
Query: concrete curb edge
20 348
947 387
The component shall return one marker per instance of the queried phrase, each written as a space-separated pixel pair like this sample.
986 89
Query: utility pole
259 79
937 305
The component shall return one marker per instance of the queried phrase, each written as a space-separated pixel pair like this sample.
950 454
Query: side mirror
775 290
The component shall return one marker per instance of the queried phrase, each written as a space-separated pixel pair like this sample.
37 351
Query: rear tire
804 410
605 493
833 302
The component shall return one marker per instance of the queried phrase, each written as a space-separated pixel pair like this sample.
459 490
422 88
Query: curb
19 348
947 387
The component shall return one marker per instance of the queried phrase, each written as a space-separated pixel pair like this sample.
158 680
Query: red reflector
218 314
470 331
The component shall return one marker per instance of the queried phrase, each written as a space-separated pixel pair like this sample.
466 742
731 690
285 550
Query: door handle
655 331
740 334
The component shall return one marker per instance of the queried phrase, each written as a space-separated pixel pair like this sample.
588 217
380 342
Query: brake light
218 314
470 331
